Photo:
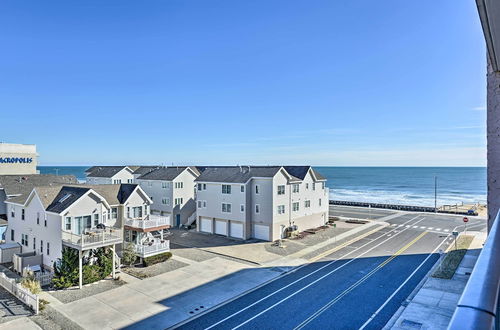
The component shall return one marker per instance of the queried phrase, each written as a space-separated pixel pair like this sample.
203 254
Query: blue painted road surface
359 286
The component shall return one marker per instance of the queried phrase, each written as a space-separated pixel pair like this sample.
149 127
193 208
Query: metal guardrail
478 306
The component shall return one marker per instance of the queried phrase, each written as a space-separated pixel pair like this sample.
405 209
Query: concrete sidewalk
434 303
167 299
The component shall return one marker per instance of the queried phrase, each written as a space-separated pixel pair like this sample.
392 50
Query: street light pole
435 193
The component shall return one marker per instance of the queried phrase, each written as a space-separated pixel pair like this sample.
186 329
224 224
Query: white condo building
260 201
172 190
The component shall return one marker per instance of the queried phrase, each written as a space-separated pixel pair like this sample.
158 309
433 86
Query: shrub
43 303
128 254
104 261
91 274
66 269
157 258
32 285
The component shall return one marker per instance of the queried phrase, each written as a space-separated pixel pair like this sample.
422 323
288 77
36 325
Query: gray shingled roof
18 187
163 173
145 169
241 175
236 174
103 171
114 194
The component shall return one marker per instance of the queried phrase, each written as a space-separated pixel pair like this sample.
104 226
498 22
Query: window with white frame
24 239
96 219
13 211
179 185
257 208
130 180
114 213
200 186
242 188
137 212
295 206
204 204
48 248
281 209
200 204
307 185
242 208
295 188
314 186
23 214
204 186
34 243
67 223
322 185
319 202
257 189
164 185
45 220
226 188
281 190
226 208
307 203
164 201
41 246
37 218
178 201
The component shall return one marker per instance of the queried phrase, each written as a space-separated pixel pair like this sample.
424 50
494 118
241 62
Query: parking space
10 307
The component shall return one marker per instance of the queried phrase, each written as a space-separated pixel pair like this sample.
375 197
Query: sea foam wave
403 198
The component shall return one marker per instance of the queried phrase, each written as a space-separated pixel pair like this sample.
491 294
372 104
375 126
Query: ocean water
395 185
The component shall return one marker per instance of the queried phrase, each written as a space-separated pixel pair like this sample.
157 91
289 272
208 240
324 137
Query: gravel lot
69 295
153 270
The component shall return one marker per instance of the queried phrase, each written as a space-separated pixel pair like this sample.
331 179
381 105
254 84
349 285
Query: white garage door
236 230
220 227
206 225
261 232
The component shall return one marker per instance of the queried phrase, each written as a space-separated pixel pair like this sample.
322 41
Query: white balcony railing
146 250
150 221
93 238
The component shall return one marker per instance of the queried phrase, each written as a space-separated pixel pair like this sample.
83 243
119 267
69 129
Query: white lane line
446 230
400 225
422 227
438 229
401 286
415 226
304 287
430 228
407 226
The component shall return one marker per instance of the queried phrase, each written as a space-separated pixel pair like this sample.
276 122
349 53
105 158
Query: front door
178 220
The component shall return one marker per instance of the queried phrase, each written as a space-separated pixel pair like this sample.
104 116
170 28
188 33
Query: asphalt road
360 285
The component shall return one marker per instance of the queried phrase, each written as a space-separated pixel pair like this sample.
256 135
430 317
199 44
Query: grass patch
453 258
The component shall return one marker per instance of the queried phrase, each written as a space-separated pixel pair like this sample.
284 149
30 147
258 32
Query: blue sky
398 83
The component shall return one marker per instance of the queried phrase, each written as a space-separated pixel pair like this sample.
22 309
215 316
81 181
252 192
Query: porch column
80 276
113 250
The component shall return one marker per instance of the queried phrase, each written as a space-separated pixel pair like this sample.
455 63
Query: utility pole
435 193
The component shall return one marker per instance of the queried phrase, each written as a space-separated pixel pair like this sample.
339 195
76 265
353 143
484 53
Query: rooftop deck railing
478 306
150 221
93 238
